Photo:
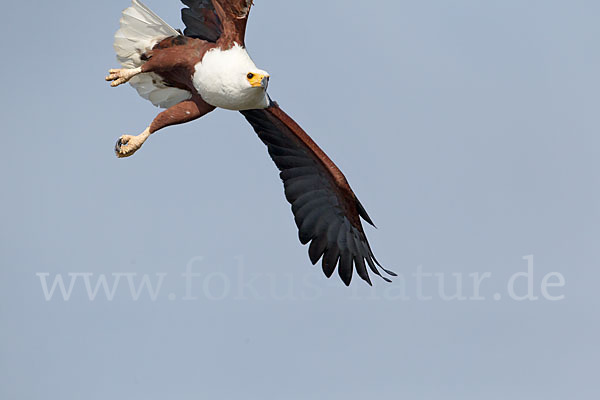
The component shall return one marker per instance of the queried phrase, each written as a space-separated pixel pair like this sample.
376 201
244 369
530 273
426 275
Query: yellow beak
259 80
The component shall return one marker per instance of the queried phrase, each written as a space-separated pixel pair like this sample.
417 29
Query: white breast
220 78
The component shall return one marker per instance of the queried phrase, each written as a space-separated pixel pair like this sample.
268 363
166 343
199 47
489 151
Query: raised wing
325 208
201 20
218 21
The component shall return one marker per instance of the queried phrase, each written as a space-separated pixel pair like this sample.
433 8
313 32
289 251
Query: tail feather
147 15
139 32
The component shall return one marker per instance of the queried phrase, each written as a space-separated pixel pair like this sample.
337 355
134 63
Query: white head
230 79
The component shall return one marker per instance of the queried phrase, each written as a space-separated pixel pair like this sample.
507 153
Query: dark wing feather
217 21
326 210
201 20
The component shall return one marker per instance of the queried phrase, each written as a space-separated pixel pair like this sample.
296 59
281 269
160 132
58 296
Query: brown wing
219 21
325 208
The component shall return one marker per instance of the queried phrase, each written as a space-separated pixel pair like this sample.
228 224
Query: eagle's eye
250 75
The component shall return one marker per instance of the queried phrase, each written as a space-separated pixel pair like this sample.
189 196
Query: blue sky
468 130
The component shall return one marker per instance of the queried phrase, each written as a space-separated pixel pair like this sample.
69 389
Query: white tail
140 30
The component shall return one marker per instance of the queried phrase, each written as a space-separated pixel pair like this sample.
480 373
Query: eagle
207 66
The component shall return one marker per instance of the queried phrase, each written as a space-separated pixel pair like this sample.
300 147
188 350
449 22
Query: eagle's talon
123 149
120 76
127 145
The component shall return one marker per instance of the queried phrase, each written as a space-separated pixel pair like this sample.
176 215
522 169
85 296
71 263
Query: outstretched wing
218 21
325 208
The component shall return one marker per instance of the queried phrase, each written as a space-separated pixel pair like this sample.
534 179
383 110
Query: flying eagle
207 66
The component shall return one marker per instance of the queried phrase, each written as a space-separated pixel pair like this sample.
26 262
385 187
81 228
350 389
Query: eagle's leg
156 60
122 75
180 113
